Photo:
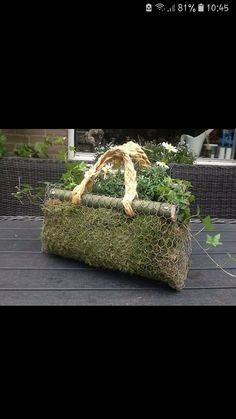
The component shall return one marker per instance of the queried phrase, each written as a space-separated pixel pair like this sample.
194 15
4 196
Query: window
86 141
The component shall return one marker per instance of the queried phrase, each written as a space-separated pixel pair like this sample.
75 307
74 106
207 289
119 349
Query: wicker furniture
28 171
213 186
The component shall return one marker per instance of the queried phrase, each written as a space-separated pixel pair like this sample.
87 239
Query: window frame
74 155
90 157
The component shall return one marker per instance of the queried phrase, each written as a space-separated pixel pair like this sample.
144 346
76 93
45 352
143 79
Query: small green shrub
26 193
3 140
25 150
69 180
153 184
162 152
39 149
168 154
74 175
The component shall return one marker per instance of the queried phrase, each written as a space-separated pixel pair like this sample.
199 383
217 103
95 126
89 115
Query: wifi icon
159 6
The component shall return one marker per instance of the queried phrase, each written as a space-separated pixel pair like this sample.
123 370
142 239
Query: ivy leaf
208 223
214 240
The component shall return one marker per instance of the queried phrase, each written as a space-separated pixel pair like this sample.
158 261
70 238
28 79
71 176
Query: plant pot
133 236
149 245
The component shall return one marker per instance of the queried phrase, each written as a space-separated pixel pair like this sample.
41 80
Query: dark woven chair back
26 171
213 186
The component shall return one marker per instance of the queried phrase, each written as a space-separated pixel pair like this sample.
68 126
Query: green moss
150 246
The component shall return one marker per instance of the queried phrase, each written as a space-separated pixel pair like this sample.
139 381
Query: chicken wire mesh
126 234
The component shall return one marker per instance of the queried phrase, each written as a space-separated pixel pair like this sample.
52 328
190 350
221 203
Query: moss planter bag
129 235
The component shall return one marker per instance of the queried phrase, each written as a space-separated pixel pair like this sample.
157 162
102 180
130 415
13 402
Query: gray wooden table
30 277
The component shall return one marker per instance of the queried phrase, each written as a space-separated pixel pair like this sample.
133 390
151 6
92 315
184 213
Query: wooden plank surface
224 226
14 245
120 297
39 260
225 235
20 233
16 224
228 225
104 279
30 277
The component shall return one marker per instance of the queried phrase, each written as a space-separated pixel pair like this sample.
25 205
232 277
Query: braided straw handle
121 154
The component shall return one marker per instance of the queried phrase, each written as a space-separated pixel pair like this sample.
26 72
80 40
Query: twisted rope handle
122 154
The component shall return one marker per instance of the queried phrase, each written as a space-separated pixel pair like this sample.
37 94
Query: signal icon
171 9
159 6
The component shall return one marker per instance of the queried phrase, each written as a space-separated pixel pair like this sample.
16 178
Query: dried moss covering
147 245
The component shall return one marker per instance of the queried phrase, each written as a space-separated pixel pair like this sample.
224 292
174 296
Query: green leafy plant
154 184
25 150
63 154
69 180
39 149
158 152
168 154
176 191
208 223
149 179
3 140
26 193
110 185
74 174
214 240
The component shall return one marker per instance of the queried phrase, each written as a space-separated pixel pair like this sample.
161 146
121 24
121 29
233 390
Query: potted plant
127 214
123 213
213 185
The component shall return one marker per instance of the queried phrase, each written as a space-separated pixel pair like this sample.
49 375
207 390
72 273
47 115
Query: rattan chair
26 171
213 186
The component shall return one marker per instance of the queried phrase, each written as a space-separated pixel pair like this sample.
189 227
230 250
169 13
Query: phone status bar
190 8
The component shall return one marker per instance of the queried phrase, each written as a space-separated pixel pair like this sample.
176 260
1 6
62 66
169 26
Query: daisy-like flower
169 147
108 170
162 164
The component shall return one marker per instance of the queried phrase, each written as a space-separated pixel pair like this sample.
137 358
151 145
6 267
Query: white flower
162 164
169 147
108 170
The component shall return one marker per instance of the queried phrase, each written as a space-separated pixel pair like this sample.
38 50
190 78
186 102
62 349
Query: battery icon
200 7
